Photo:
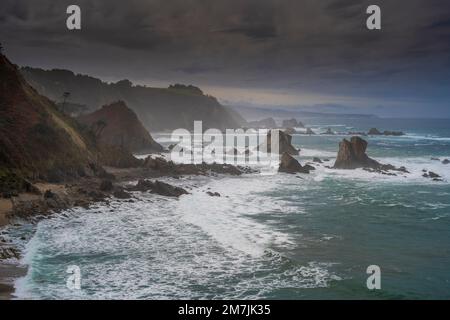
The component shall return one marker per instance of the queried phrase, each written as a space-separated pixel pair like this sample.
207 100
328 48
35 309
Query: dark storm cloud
311 46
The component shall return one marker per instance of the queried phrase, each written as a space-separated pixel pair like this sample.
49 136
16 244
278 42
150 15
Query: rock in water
445 161
352 155
315 159
159 187
374 132
289 165
122 194
284 143
292 123
329 131
290 130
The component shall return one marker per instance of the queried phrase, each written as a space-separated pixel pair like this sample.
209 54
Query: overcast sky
250 52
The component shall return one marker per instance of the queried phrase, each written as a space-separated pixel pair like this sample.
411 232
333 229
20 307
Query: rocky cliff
37 141
177 106
117 125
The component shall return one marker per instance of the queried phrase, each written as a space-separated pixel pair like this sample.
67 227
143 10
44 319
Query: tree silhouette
66 96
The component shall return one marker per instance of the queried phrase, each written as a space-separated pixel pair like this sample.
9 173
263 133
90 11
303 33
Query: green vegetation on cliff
158 108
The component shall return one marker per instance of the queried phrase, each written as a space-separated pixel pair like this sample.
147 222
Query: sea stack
293 123
284 143
289 164
352 155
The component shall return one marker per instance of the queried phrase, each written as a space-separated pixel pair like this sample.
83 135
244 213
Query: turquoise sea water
274 236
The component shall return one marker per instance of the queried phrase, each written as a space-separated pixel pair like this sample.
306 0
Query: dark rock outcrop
308 167
162 166
393 133
445 161
431 175
374 132
284 145
289 164
159 187
290 130
329 131
122 194
309 131
352 155
117 125
292 123
9 252
268 123
106 185
317 160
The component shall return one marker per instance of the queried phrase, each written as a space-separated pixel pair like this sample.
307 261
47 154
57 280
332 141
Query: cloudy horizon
252 52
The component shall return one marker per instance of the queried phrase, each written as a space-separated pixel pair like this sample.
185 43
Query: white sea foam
195 247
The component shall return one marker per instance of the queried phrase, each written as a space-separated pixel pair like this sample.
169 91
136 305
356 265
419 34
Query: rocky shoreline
45 199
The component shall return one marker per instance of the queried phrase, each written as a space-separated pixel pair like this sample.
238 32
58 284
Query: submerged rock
309 131
445 161
213 194
289 164
121 194
315 159
308 167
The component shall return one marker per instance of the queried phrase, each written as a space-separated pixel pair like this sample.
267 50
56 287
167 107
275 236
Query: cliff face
117 125
158 108
36 140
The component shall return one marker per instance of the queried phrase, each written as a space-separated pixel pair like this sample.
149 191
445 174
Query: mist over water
267 236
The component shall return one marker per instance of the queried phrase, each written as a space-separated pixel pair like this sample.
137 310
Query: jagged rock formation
376 132
352 155
117 125
268 123
289 164
158 187
309 131
290 131
158 108
292 123
285 143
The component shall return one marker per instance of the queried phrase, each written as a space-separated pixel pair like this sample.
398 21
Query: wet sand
9 273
